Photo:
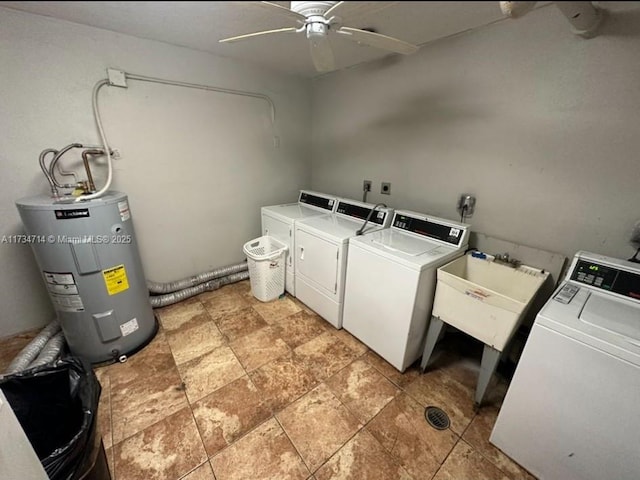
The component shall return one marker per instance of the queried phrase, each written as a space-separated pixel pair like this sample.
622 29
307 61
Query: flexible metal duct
169 287
51 350
175 297
29 353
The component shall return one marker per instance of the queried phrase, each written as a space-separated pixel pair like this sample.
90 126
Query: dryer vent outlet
385 188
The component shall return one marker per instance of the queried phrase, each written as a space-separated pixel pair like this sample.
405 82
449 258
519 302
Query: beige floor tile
402 430
283 380
222 302
362 389
209 372
362 458
477 436
300 327
265 453
203 472
325 355
465 462
154 358
238 324
180 314
194 338
352 342
137 405
385 368
243 289
109 453
104 409
228 413
276 309
318 425
259 347
436 388
165 451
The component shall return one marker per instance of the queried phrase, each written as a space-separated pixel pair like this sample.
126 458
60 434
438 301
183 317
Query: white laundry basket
266 260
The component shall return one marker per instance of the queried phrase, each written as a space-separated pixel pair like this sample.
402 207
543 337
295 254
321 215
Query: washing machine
391 281
278 221
571 411
321 254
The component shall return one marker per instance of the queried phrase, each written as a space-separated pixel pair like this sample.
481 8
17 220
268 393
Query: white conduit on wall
143 78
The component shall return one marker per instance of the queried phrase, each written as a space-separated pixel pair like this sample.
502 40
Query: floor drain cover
437 418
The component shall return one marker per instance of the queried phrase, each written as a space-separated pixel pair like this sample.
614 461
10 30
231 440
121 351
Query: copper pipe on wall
85 160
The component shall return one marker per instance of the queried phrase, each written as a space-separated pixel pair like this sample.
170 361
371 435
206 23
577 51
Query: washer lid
405 249
398 242
292 211
613 315
597 319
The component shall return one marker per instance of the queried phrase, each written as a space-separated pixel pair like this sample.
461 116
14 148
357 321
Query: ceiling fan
319 19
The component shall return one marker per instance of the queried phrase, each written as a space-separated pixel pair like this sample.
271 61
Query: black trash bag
57 406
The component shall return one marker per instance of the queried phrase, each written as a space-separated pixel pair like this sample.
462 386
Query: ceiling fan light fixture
317 29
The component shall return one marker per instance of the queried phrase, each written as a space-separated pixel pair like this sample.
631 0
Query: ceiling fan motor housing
311 8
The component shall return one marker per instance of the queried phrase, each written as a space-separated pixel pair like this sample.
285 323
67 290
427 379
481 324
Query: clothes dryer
321 254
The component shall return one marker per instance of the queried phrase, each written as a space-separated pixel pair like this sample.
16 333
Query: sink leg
490 358
433 334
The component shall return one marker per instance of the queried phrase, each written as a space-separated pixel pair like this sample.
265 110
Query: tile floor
235 389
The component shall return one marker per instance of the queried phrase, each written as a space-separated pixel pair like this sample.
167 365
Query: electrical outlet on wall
366 186
385 188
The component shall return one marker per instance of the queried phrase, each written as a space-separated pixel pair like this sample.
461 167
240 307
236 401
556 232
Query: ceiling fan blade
350 9
257 34
378 40
279 9
322 54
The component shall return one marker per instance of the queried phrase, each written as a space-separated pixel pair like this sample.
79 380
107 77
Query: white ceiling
200 25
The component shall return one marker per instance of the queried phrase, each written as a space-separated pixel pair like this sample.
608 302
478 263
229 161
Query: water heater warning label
123 208
67 303
115 279
129 327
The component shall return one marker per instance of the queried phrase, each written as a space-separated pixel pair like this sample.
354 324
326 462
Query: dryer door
317 261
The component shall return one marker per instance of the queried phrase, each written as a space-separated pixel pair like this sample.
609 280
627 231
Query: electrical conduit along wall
539 124
196 165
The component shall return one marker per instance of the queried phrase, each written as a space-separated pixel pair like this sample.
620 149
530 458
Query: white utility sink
484 298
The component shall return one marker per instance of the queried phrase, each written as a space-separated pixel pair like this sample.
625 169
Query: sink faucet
361 230
505 260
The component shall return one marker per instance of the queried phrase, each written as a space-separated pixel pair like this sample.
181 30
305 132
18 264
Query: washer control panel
566 293
445 231
308 198
607 277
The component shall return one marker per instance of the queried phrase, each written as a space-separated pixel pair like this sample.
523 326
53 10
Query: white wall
196 165
542 126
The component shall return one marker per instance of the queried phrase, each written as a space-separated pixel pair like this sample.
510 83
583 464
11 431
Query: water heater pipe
169 287
45 170
175 297
85 161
